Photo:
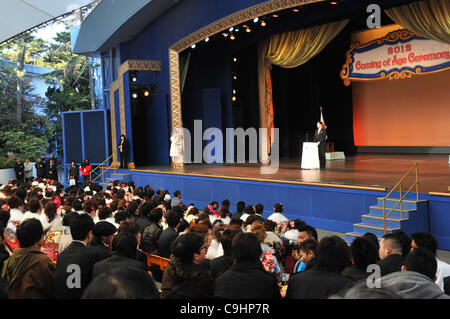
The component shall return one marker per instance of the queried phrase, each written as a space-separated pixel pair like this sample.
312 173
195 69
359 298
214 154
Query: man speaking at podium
320 136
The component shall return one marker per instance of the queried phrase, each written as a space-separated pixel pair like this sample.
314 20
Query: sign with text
398 55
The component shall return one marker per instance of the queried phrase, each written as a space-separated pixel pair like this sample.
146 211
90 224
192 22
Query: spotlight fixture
232 37
255 20
236 30
234 98
275 15
296 10
207 39
333 2
133 77
146 93
225 34
234 91
134 95
248 30
263 23
231 29
193 46
235 77
235 59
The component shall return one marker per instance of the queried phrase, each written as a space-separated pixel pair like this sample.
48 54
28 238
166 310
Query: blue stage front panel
72 135
94 136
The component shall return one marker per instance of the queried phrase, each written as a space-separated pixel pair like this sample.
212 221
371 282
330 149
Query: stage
378 172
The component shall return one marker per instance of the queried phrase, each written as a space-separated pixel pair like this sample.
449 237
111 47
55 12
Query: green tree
22 145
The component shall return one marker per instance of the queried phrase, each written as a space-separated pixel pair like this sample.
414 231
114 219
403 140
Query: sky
49 32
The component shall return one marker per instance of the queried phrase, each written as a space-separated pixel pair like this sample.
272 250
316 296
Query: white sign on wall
398 55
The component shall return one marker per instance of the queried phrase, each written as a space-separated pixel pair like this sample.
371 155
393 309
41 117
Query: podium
310 156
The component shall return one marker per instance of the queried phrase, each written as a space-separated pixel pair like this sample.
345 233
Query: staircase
412 218
122 178
400 213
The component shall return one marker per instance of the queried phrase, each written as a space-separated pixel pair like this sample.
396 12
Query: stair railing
400 201
103 169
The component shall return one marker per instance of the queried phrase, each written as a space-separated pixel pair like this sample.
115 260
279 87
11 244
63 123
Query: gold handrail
102 167
402 196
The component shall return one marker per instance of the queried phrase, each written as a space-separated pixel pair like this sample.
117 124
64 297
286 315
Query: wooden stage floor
362 170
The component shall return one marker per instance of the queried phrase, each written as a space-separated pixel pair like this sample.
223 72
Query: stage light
234 98
207 39
134 95
234 91
255 20
248 30
235 59
296 10
235 77
333 2
275 15
232 37
263 23
236 30
225 34
231 29
133 77
146 93
193 46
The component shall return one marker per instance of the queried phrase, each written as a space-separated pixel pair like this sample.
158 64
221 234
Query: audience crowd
94 242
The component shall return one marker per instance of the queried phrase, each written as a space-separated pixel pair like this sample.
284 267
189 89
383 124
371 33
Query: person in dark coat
185 277
168 235
20 170
391 254
320 137
76 254
123 150
144 221
74 173
52 172
246 278
151 234
103 235
362 253
41 168
324 278
219 265
124 251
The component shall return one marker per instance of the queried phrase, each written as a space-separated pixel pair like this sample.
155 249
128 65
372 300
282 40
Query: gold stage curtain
288 50
430 19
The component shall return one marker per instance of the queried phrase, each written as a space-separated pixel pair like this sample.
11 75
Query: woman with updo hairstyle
215 249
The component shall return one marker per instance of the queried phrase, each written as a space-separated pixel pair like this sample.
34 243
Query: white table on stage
310 156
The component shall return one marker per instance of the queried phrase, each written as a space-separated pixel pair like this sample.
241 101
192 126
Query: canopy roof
18 16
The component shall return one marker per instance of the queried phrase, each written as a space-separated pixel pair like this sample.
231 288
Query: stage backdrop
404 112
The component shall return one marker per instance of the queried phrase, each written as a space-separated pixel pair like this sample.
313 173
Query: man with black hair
169 234
325 278
101 242
176 201
29 273
362 254
246 278
417 277
74 264
305 232
122 283
277 215
390 252
320 137
219 265
19 169
429 242
151 234
240 206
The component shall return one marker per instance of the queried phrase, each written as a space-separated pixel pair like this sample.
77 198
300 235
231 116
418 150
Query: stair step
378 221
349 237
376 211
378 231
391 202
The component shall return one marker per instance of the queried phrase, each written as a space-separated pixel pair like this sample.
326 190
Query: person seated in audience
249 210
416 280
429 242
259 211
307 252
390 252
76 254
49 216
16 207
215 249
123 250
184 277
4 254
151 234
325 278
246 278
374 239
218 265
144 210
29 273
405 241
305 232
362 254
4 214
169 234
122 283
176 201
34 209
277 215
271 238
103 234
240 207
